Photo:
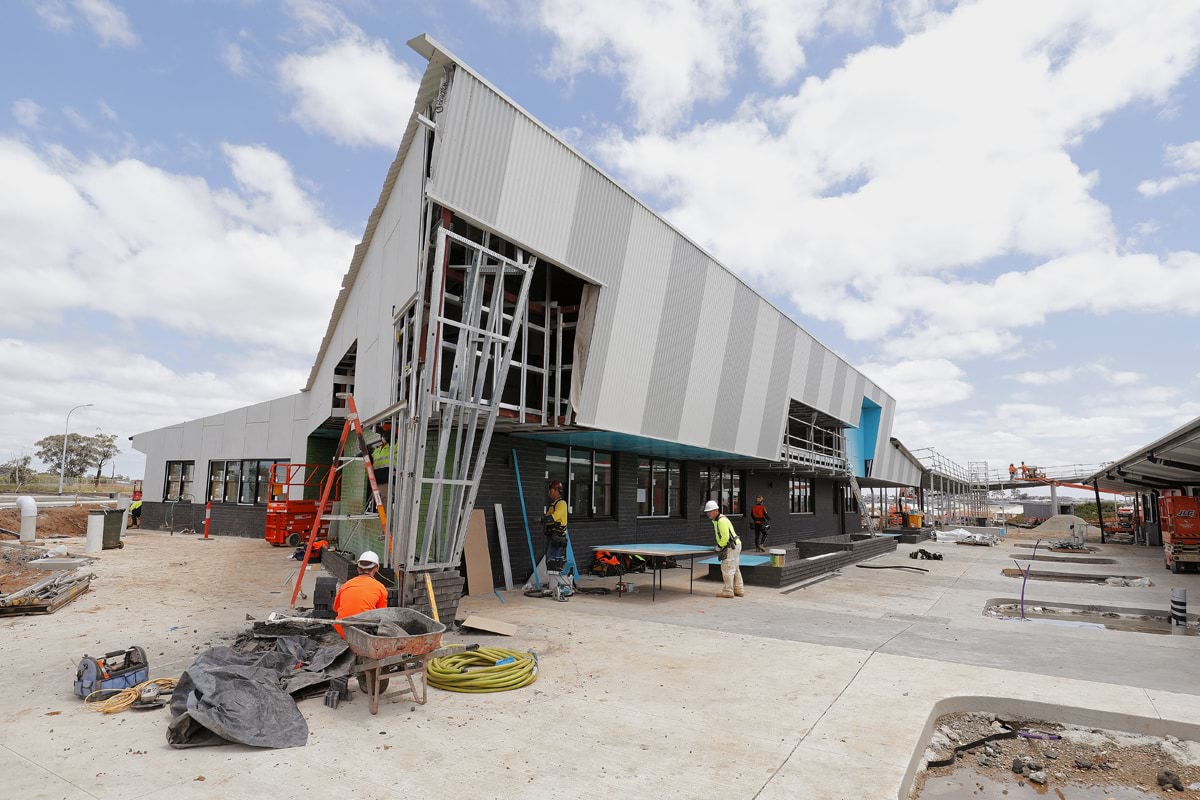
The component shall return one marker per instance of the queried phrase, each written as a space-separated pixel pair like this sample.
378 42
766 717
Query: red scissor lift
289 515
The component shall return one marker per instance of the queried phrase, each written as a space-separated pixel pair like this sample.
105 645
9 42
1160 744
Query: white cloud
108 21
353 89
55 14
1044 378
77 119
106 111
921 383
863 195
105 18
256 265
130 392
1185 160
234 58
673 54
27 113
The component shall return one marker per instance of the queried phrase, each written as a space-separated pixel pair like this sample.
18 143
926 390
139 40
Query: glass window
179 479
643 487
724 485
658 488
849 503
556 467
246 481
233 480
216 481
264 482
579 487
674 484
801 496
602 485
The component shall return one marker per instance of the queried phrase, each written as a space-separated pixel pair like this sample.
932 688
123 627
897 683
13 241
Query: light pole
62 465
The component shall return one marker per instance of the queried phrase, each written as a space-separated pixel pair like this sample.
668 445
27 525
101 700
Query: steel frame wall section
460 408
949 494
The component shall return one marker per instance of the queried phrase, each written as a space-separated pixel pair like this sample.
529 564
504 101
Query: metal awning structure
1172 462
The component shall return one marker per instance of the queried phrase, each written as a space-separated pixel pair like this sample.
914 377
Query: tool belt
120 669
723 552
555 532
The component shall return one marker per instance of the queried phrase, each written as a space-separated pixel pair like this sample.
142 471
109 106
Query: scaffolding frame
953 494
451 366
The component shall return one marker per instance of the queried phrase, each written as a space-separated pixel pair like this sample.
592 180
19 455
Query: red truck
1180 518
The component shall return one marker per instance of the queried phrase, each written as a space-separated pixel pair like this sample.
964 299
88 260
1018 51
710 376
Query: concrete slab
646 700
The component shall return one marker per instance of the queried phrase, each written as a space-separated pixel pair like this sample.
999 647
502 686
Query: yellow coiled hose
476 671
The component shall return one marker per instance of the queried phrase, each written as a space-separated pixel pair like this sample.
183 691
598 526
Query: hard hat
556 485
369 557
711 505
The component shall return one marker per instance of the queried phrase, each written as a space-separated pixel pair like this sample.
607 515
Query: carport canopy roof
1172 462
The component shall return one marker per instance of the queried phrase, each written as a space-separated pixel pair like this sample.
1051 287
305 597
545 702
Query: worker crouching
729 550
361 593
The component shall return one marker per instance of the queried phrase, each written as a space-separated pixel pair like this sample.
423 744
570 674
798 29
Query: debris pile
1055 755
1061 523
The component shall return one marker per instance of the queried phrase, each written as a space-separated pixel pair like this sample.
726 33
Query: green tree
17 470
78 454
104 449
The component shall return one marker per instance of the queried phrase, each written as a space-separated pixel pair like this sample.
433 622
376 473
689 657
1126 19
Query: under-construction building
512 309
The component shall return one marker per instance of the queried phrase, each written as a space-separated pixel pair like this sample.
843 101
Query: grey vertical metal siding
676 332
615 389
478 128
743 321
673 343
775 399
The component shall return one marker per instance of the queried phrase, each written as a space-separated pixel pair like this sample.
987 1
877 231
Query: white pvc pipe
95 531
28 508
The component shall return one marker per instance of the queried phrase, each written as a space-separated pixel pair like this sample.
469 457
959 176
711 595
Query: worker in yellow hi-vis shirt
729 550
555 523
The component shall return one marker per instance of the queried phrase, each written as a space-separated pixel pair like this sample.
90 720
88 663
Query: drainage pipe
28 508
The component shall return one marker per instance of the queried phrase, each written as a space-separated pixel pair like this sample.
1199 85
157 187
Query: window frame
672 497
189 483
849 501
260 486
807 493
575 455
736 487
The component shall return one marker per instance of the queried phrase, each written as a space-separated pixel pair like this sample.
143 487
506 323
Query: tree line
83 454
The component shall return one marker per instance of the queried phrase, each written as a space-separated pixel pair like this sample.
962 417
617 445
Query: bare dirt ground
1081 757
14 574
51 522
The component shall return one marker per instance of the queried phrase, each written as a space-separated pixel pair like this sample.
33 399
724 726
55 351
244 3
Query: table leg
691 572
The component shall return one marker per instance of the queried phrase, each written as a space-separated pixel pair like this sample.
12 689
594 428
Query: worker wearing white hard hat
362 592
729 550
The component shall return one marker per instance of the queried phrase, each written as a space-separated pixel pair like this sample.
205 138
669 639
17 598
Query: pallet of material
45 596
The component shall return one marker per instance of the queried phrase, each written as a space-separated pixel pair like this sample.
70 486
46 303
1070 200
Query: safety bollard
207 520
1178 610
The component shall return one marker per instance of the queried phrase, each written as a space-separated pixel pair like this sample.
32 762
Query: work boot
739 593
723 593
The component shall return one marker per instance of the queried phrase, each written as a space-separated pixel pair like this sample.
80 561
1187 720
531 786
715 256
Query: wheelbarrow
404 656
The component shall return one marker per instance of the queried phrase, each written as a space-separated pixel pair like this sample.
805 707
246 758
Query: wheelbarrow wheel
364 684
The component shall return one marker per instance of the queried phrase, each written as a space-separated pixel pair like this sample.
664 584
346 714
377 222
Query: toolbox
120 669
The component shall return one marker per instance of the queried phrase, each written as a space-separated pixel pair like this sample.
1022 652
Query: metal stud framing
443 417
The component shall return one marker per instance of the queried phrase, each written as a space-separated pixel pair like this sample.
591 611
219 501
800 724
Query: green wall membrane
431 449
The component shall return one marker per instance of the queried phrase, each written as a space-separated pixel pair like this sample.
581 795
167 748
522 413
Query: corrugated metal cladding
676 333
673 342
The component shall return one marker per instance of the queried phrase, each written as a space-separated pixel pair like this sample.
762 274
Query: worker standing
555 525
361 593
1012 472
1024 470
729 550
760 520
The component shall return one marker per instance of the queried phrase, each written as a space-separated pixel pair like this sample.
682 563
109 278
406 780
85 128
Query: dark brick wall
227 520
499 485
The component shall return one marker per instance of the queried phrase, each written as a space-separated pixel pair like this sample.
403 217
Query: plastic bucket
777 557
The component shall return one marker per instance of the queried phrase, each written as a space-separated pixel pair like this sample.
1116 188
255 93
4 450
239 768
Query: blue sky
990 206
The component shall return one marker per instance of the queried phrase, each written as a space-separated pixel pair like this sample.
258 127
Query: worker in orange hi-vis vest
360 593
760 520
